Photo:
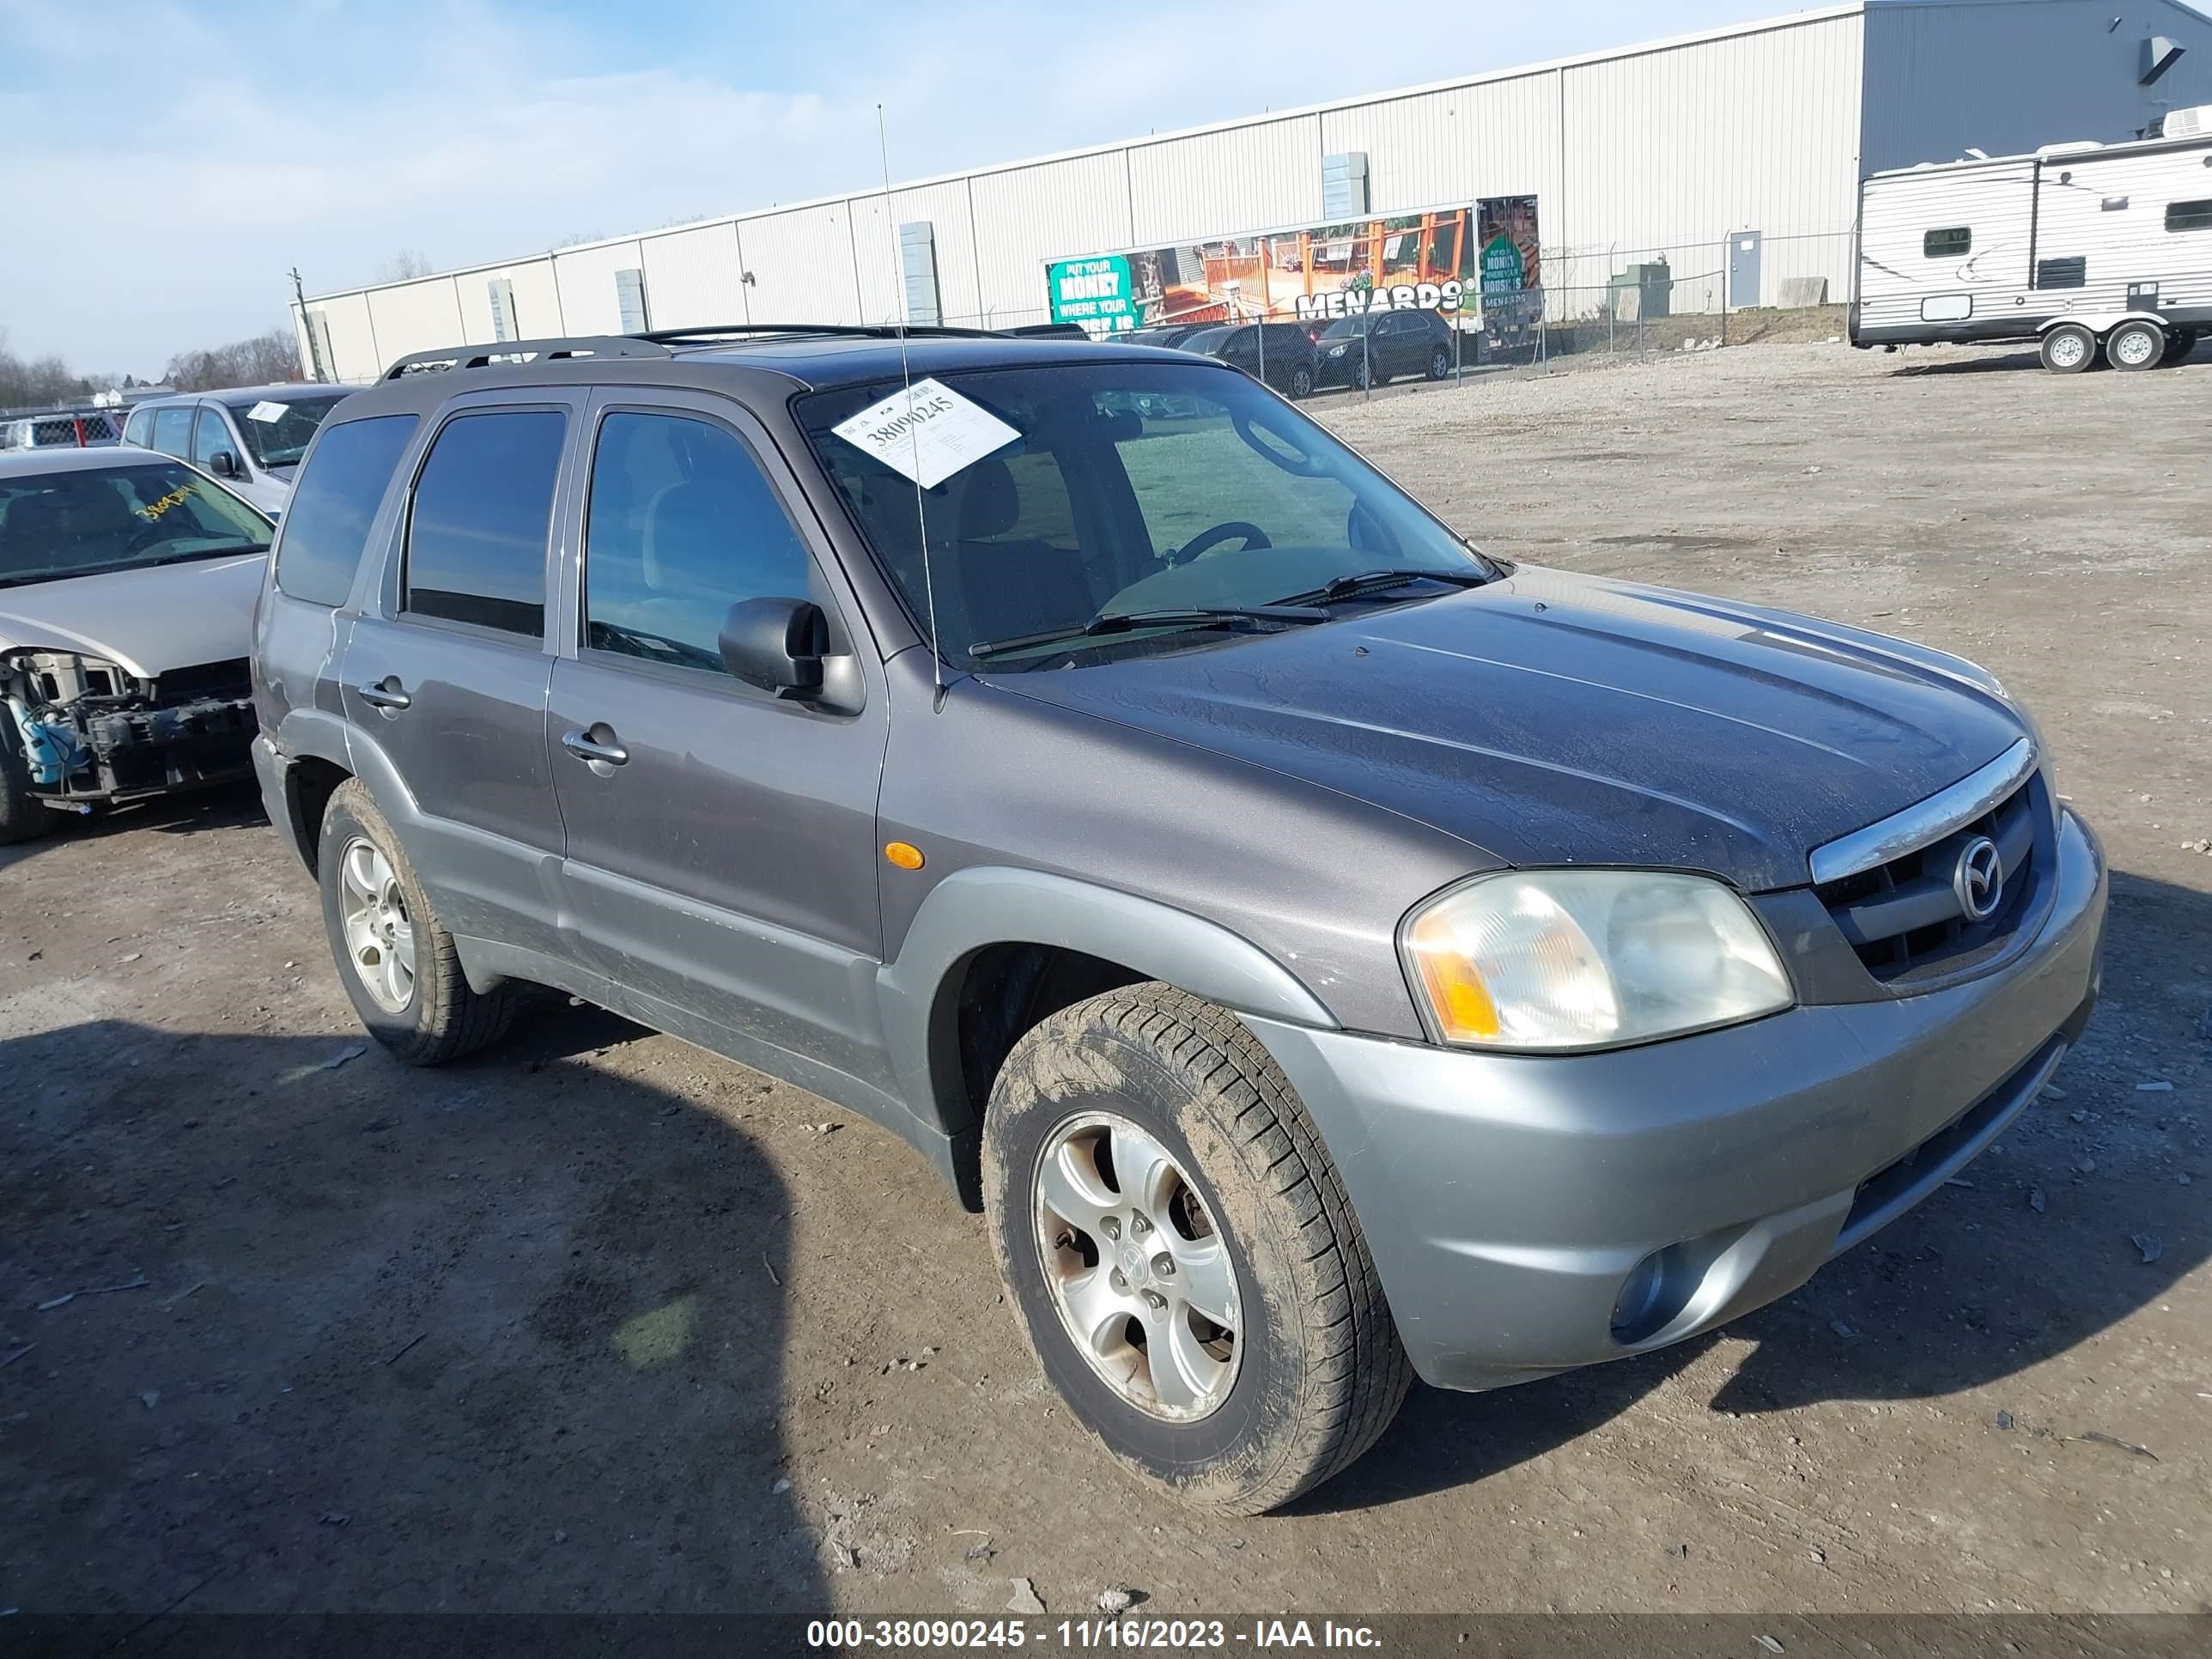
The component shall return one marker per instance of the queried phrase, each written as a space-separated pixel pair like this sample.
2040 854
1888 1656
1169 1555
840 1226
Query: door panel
726 862
469 746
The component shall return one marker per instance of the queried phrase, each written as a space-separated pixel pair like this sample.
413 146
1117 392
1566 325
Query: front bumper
1510 1200
130 753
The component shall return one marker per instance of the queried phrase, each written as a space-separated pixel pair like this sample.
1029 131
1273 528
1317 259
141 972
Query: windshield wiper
1122 621
1375 581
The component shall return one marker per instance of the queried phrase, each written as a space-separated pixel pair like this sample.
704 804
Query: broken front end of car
94 733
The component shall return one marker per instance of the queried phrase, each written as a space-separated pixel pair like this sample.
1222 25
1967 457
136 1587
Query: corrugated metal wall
2007 75
1659 150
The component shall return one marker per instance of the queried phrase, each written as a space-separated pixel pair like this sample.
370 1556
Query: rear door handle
378 695
584 749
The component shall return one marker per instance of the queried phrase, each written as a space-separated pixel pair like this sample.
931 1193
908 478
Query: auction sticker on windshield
267 412
927 432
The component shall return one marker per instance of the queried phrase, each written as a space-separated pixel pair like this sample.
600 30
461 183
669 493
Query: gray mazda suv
1325 955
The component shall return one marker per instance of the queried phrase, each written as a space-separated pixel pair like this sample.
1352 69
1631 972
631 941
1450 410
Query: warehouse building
1714 171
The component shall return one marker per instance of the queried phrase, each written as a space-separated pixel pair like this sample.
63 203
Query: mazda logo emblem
1979 879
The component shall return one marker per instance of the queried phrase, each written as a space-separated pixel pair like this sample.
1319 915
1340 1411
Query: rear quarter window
325 528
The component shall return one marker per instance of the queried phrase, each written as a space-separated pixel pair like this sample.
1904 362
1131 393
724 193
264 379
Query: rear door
172 431
446 669
721 843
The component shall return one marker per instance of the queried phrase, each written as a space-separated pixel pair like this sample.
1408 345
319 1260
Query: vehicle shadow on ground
1974 1286
283 1335
2011 360
225 807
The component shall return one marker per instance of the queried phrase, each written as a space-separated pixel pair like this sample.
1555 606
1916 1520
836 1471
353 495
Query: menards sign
1439 259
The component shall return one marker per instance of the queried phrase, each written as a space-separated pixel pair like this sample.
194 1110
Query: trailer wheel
2068 348
2178 344
2135 346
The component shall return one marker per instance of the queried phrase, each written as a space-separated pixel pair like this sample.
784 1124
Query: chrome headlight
1557 960
1338 351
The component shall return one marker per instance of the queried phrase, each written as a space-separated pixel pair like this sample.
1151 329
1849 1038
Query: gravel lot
553 1329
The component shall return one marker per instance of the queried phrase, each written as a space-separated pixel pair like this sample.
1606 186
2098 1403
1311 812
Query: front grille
1903 918
234 679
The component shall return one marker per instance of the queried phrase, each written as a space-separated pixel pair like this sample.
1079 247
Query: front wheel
1439 363
2068 348
398 966
1302 384
1181 1253
2134 346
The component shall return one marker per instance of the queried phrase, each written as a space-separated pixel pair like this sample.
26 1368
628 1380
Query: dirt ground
598 1321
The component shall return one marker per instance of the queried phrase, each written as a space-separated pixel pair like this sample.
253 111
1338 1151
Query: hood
146 622
1553 719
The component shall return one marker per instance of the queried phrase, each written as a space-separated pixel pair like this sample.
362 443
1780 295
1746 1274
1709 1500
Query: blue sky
165 164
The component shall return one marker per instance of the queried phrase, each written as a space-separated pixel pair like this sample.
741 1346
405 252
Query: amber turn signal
905 854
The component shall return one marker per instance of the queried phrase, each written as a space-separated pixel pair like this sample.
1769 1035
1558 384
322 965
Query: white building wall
1028 214
585 276
536 301
875 246
692 277
414 317
801 260
1441 148
1242 178
353 339
1669 151
2007 75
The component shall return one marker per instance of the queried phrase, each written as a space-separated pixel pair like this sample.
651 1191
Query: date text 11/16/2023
1081 1635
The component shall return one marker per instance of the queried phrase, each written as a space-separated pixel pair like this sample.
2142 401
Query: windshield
87 520
1344 328
1132 488
277 430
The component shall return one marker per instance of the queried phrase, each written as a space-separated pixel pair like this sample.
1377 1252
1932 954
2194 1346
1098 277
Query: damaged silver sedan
127 585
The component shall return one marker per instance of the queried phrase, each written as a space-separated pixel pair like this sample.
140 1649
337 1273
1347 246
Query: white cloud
163 207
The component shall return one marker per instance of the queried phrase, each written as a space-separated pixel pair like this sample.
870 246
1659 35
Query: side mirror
777 644
224 464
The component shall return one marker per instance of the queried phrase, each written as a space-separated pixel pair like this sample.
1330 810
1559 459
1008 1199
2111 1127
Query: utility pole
315 346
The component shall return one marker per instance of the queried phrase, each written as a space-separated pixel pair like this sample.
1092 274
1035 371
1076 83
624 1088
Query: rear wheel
1302 383
2135 346
23 816
1182 1253
2068 348
398 966
1439 363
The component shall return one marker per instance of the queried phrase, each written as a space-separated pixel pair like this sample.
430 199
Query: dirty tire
2134 347
1302 384
1320 1372
2068 350
1439 363
22 817
444 1020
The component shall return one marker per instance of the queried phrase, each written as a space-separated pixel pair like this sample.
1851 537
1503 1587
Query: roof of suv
803 360
230 394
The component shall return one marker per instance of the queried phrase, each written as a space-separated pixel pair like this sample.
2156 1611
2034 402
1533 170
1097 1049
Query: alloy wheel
379 936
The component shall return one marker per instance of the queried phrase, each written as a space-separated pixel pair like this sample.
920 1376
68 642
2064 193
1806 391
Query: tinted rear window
476 541
327 521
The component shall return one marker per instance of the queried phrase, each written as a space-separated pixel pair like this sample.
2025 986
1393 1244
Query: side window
1951 244
2189 216
475 534
682 525
210 436
327 521
139 429
172 431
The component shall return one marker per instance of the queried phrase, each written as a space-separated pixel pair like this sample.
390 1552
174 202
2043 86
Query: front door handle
383 694
583 747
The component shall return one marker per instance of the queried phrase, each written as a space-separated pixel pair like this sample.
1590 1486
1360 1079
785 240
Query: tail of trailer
2101 253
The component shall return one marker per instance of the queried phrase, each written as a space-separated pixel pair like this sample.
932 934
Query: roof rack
656 342
525 351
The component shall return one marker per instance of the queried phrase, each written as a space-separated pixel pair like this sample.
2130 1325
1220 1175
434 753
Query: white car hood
146 622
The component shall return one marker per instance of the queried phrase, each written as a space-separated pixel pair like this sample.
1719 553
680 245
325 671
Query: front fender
974 909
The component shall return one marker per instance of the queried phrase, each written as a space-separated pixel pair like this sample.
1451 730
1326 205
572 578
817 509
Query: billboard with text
1462 260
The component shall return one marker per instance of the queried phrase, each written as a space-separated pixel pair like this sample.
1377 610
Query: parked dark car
1165 334
1286 360
1325 954
1385 344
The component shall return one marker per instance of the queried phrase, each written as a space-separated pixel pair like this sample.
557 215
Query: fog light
1639 1299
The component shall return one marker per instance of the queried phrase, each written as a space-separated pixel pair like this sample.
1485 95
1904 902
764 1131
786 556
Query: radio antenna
913 441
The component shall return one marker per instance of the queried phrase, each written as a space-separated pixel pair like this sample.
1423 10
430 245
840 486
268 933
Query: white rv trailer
2098 251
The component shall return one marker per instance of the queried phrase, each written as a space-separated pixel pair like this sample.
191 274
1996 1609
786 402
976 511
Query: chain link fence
1606 301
